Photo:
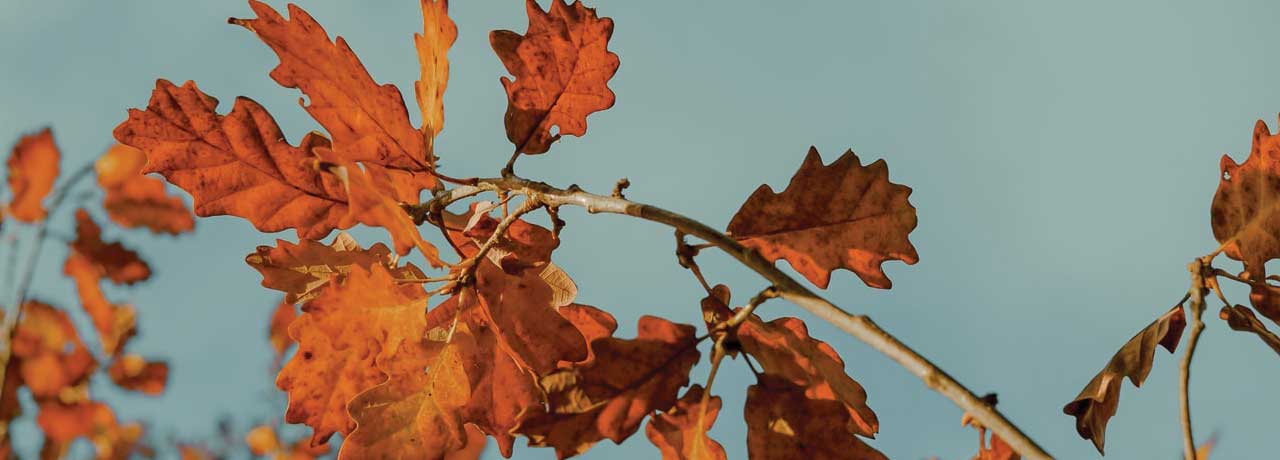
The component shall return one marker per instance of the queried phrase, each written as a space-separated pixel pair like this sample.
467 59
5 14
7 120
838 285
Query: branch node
622 184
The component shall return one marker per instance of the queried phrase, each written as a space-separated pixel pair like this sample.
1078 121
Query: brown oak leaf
368 122
562 68
342 334
1244 214
681 433
1098 401
113 261
502 391
1241 318
522 311
609 397
301 269
843 215
785 350
33 168
239 164
438 34
373 203
134 200
132 372
783 422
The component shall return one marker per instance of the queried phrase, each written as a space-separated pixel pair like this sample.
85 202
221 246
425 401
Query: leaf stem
859 326
1198 268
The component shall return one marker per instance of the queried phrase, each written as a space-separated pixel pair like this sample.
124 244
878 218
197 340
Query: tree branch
859 326
1199 268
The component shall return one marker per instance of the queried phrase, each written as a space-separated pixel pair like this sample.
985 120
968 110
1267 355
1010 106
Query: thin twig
859 326
1198 268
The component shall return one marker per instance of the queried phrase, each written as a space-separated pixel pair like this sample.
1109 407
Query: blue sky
1063 157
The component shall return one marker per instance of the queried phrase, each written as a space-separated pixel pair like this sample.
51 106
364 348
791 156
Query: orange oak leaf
843 215
996 449
50 353
522 311
278 330
372 204
681 433
524 245
783 422
263 442
438 34
592 322
134 200
63 423
113 261
300 270
1241 318
501 390
1244 214
786 352
715 310
239 164
562 68
132 372
342 334
115 324
1098 401
417 412
33 168
367 121
608 397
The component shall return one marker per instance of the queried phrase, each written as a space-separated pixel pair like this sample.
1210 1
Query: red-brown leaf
784 423
115 323
239 164
367 121
1244 214
134 200
785 351
132 372
1098 401
609 397
33 168
843 215
523 313
113 261
562 68
681 433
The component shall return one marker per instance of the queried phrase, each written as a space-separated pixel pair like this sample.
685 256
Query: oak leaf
132 372
50 353
342 334
135 200
114 261
373 203
681 433
301 269
785 351
843 215
236 164
608 397
784 422
1244 214
1098 401
368 122
524 245
501 391
263 442
63 423
562 68
33 168
115 324
438 34
278 329
1241 318
522 311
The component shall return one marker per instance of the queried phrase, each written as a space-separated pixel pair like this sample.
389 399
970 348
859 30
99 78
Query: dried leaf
522 311
134 200
786 352
63 423
33 168
132 372
681 433
300 270
367 121
278 330
783 422
373 205
609 397
238 164
1244 213
341 335
115 324
1241 318
113 261
438 34
562 68
844 215
1098 401
51 355
501 390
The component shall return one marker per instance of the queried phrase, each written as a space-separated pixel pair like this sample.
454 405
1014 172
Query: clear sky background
1063 157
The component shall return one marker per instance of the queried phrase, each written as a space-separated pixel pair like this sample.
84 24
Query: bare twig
1199 269
859 326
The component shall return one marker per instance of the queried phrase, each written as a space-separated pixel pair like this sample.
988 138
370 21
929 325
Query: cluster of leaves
46 353
1245 218
498 348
